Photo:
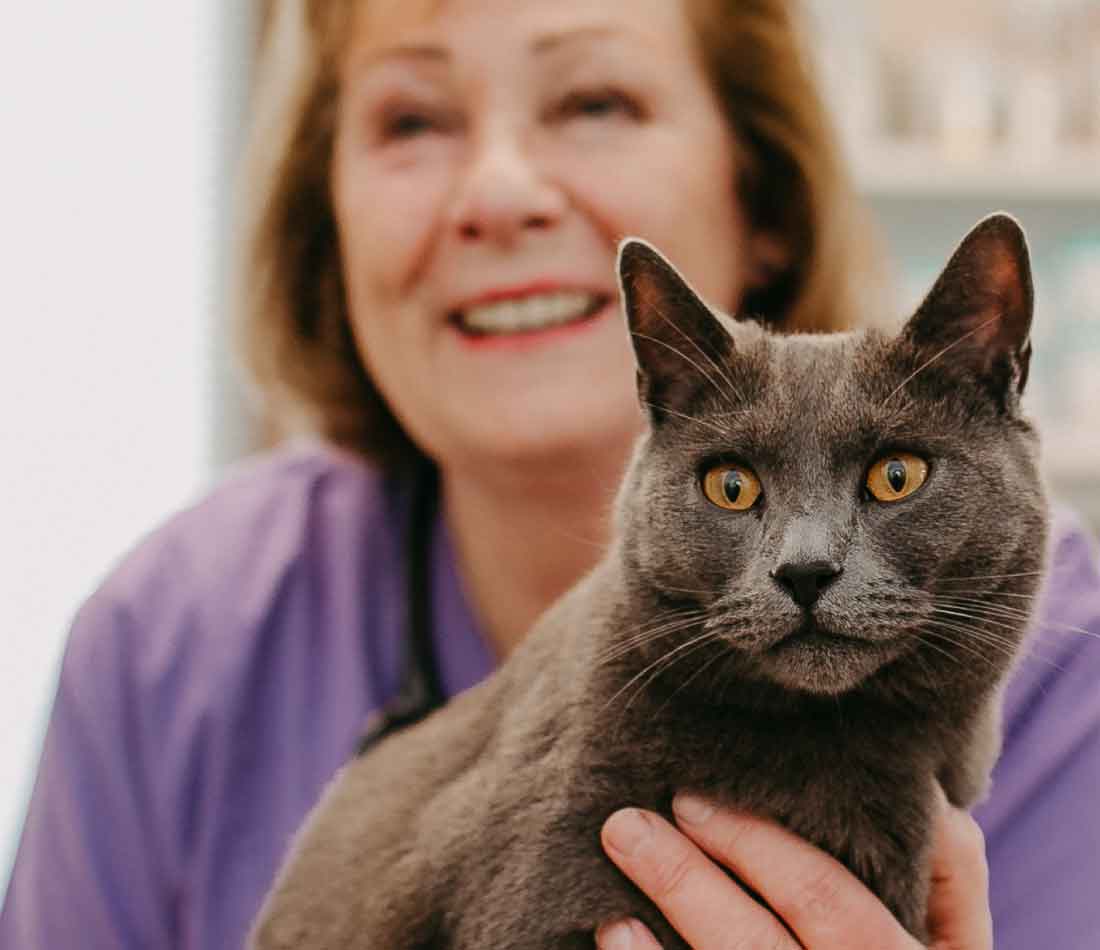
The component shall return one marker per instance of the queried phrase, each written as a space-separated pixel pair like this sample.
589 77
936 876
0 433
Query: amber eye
897 476
733 487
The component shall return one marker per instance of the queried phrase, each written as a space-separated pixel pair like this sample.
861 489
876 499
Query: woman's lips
527 313
532 313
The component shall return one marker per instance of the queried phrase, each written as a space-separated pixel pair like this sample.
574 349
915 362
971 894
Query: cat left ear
679 344
979 311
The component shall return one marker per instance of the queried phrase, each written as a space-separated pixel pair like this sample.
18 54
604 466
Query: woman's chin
550 440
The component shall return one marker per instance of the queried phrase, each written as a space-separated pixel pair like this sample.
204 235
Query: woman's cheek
388 218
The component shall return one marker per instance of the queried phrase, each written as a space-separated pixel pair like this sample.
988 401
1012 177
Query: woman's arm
88 870
1042 821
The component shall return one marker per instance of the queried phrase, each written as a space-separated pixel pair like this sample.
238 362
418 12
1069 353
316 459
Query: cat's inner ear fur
679 344
978 313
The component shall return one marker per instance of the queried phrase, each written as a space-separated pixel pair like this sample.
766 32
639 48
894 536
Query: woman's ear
767 256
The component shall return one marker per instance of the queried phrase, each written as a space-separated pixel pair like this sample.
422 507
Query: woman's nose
503 195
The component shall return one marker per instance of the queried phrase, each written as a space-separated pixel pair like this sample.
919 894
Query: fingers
818 898
626 935
958 907
701 902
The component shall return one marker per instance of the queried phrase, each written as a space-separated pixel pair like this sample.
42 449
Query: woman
439 190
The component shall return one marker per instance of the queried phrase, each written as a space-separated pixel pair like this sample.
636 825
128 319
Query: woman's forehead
383 23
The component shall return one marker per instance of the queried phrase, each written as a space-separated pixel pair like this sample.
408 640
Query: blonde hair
294 329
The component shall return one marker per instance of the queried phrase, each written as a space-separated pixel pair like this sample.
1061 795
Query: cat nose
805 581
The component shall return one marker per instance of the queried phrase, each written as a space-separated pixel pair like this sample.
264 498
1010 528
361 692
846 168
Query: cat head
829 506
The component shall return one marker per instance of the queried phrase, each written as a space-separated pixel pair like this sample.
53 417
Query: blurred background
122 121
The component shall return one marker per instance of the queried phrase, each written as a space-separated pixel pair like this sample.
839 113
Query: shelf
889 170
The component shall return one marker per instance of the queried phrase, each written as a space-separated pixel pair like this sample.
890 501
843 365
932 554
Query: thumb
958 906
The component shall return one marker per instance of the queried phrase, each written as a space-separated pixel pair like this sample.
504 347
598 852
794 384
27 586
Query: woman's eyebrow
422 52
552 41
434 53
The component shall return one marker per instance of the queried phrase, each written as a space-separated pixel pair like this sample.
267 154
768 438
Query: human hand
822 903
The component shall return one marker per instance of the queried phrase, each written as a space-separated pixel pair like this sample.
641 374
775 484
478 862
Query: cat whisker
983 609
953 640
663 658
971 615
720 678
991 577
683 415
643 641
714 659
666 625
687 359
980 634
989 636
657 673
940 650
658 667
982 617
707 356
1005 646
950 346
923 663
1007 610
691 590
982 594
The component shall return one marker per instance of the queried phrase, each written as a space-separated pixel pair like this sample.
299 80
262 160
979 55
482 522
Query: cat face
833 506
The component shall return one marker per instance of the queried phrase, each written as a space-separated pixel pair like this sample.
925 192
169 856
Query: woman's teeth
538 312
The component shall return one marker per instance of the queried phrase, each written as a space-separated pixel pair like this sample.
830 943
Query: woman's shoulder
1073 580
1052 706
1044 785
302 522
1065 637
265 513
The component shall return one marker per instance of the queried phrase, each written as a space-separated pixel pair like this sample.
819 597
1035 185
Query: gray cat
803 615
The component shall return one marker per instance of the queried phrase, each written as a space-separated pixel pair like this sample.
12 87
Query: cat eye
733 487
897 476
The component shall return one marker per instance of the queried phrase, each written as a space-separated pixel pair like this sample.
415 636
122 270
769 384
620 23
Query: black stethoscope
420 692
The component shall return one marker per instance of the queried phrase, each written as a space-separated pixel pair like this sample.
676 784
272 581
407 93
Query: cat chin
823 664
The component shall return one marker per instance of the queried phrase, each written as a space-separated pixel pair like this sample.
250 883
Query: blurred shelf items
948 111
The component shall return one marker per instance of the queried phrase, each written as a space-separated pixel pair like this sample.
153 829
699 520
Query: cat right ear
978 313
678 342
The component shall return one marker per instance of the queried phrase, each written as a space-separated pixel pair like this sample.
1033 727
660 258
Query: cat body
819 657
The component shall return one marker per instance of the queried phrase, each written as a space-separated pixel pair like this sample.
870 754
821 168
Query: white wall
110 207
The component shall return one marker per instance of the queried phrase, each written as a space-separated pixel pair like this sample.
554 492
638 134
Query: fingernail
616 936
627 830
692 809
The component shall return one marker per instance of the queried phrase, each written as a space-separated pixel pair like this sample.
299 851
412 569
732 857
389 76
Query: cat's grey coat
683 660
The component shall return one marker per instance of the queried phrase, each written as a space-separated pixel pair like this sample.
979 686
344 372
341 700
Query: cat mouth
811 634
819 660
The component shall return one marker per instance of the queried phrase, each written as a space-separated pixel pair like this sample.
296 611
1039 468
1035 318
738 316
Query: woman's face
490 155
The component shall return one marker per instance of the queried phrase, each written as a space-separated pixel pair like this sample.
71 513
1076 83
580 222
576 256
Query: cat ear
978 313
678 342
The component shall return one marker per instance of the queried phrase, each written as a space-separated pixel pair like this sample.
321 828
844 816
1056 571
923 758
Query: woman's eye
407 125
896 476
733 487
402 121
598 104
